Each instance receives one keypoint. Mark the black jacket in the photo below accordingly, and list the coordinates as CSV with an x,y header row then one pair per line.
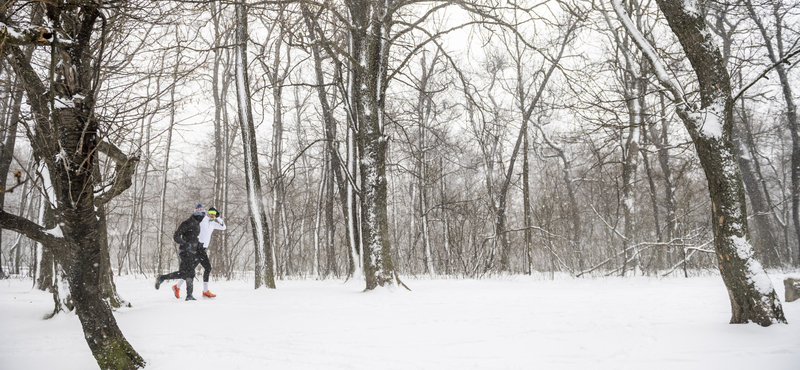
x,y
187,233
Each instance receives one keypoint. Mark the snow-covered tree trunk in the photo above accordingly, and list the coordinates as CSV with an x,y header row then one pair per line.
x,y
751,293
220,144
264,263
318,219
369,33
330,227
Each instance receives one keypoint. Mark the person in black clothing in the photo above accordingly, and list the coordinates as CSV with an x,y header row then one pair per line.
x,y
187,238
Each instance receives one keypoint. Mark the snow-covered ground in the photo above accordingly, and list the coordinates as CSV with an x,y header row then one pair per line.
x,y
511,323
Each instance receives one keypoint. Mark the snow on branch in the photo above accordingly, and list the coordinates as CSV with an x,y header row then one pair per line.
x,y
10,35
32,230
648,50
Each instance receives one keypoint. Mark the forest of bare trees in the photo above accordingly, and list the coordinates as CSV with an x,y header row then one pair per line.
x,y
378,140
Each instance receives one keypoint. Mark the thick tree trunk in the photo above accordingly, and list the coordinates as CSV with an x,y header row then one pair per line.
x,y
371,26
82,226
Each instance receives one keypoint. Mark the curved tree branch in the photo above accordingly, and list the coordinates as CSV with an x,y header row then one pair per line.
x,y
32,230
124,170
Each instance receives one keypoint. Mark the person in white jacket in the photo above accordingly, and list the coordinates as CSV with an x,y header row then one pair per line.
x,y
212,221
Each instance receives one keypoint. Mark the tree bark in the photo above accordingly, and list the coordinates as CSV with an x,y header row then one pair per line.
x,y
371,26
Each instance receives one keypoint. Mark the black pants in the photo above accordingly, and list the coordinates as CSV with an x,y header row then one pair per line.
x,y
202,258
186,270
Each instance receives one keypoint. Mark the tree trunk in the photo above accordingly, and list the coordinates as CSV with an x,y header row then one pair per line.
x,y
107,287
13,111
371,25
662,143
280,235
264,269
165,177
424,111
215,254
526,205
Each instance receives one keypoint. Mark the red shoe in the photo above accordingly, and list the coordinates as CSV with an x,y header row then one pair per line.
x,y
208,294
177,291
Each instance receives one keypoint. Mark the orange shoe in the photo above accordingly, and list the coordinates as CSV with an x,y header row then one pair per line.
x,y
177,291
208,294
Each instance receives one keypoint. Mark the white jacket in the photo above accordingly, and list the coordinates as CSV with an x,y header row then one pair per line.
x,y
207,226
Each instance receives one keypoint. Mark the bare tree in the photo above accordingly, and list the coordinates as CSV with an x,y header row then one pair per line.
x,y
66,139
752,296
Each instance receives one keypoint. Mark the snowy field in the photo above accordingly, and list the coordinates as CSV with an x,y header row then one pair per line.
x,y
512,323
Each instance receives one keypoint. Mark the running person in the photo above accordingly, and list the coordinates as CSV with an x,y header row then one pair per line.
x,y
212,221
189,246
